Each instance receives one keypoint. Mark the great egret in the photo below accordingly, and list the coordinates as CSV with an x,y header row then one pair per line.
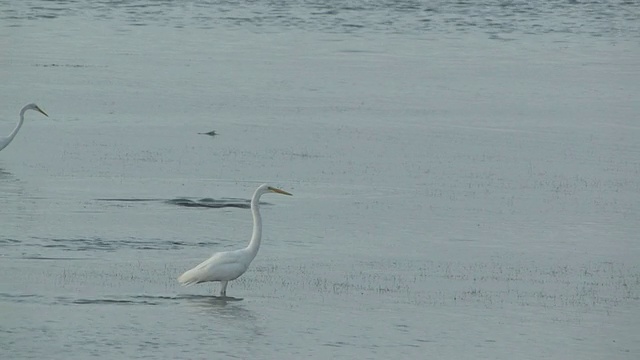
x,y
229,265
4,141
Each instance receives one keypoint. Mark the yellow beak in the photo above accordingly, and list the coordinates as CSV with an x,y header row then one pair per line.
x,y
43,113
276,190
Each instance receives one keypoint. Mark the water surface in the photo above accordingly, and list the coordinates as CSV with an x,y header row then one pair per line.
x,y
465,179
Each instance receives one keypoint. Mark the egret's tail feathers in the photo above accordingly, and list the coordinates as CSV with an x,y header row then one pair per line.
x,y
188,278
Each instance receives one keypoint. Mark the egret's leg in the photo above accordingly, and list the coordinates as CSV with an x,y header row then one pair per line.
x,y
223,291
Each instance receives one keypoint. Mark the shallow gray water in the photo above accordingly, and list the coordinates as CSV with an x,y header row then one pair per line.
x,y
465,179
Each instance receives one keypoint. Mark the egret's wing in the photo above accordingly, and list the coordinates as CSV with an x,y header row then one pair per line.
x,y
223,266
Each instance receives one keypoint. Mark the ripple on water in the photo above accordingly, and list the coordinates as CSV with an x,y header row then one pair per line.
x,y
212,203
597,18
20,298
186,202
105,244
9,241
116,299
113,302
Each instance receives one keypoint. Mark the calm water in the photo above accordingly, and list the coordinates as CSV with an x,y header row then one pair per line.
x,y
466,178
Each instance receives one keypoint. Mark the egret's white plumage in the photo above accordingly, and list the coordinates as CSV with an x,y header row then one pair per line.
x,y
4,141
229,265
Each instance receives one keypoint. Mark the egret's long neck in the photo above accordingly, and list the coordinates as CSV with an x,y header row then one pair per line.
x,y
18,126
254,245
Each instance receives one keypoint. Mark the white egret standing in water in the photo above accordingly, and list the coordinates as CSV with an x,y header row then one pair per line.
x,y
4,141
229,265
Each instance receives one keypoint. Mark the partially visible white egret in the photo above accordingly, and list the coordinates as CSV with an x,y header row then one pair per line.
x,y
4,141
229,265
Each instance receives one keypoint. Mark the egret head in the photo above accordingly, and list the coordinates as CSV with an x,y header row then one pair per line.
x,y
34,107
264,188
